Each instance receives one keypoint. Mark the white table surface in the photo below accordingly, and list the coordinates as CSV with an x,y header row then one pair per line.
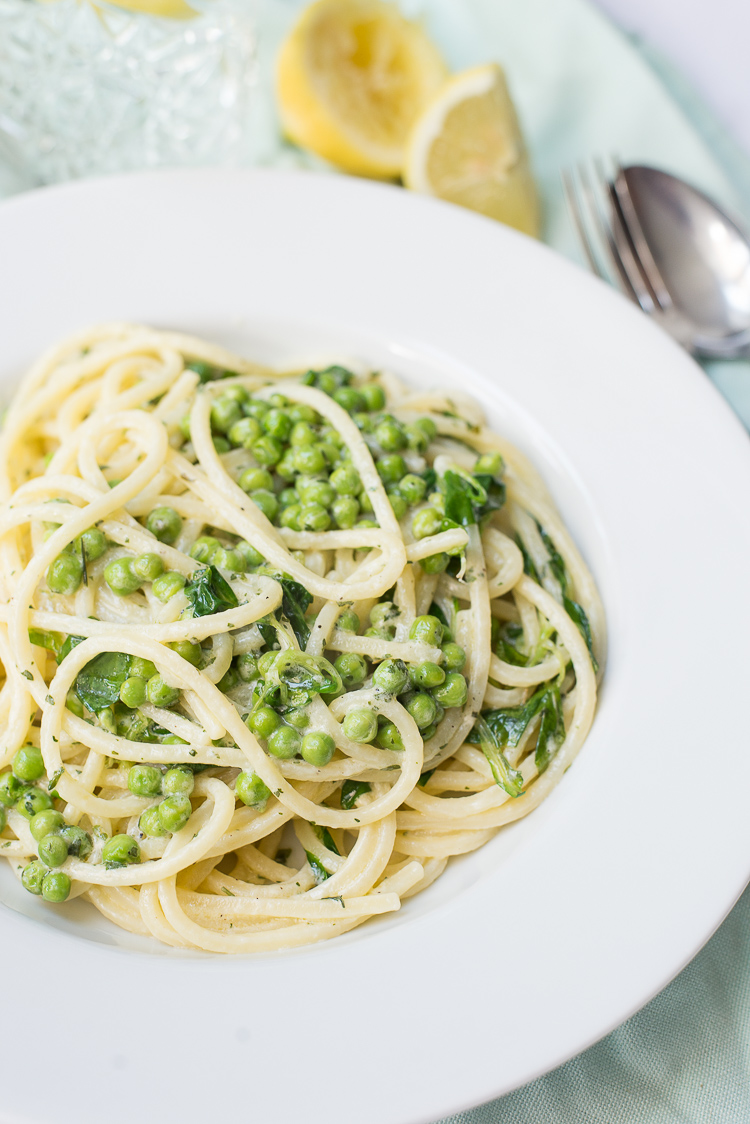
x,y
708,39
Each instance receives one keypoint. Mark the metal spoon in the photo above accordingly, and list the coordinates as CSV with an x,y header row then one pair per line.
x,y
702,257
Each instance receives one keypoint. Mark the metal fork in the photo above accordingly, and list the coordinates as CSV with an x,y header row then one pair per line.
x,y
612,239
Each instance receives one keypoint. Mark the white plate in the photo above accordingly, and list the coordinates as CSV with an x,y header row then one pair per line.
x,y
532,948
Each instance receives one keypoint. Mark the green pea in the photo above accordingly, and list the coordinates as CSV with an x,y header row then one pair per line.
x,y
373,395
398,504
160,693
174,812
286,497
229,680
412,488
79,842
290,516
267,450
204,547
363,422
308,459
33,801
331,436
33,876
278,401
185,426
172,739
150,824
144,780
3,818
327,383
147,567
244,432
298,717
422,709
28,763
428,629
314,517
348,621
237,392
229,560
302,434
106,719
426,675
391,676
311,489
74,704
247,667
429,731
435,563
121,850
317,748
391,468
133,725
55,886
389,737
142,669
65,573
389,434
427,427
267,502
284,742
167,585
381,612
53,850
225,411
164,523
178,781
94,543
365,502
345,511
46,823
256,408
454,657
285,467
453,691
251,790
254,478
301,412
332,454
352,668
263,721
278,424
121,577
345,480
426,522
222,445
252,556
133,692
489,464
360,725
349,399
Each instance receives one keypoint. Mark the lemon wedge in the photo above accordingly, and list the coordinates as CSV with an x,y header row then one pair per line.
x,y
466,146
166,9
352,77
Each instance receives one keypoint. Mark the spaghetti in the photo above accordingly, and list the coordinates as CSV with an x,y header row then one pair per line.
x,y
276,647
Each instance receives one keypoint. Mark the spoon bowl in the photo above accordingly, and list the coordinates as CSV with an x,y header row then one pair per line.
x,y
702,255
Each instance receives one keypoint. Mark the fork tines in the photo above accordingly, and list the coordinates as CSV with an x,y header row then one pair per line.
x,y
610,234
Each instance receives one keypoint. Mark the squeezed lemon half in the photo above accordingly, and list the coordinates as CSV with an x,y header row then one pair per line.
x,y
352,77
466,147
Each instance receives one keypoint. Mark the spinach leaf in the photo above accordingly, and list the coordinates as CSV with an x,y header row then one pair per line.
x,y
325,838
320,874
208,592
98,683
528,566
295,602
577,614
71,643
53,641
206,372
268,631
505,775
556,564
430,478
461,494
425,777
351,792
506,726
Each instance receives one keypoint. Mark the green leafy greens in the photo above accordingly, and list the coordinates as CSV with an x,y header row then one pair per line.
x,y
98,683
208,592
351,792
495,730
